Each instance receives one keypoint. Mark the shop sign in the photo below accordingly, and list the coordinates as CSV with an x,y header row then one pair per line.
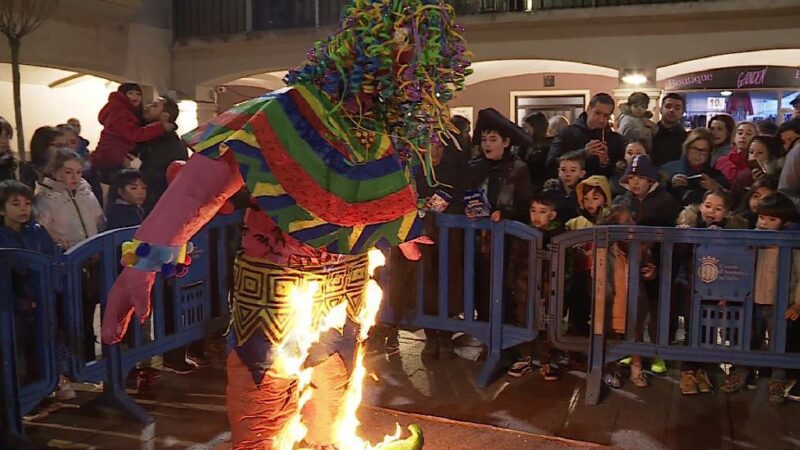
x,y
715,104
737,78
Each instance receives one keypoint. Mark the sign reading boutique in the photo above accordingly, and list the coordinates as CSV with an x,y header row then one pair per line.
x,y
737,78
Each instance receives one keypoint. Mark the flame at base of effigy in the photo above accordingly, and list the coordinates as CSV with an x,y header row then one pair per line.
x,y
294,350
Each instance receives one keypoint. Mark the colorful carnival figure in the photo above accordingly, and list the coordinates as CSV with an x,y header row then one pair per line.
x,y
327,163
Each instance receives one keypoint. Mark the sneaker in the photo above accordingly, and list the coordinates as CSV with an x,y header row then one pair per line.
x,y
521,367
548,372
179,367
703,383
658,366
199,361
64,390
638,377
733,383
793,392
613,379
777,391
689,383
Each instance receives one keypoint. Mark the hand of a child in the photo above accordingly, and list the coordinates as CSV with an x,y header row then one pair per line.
x,y
708,183
793,313
683,225
758,174
649,271
680,180
496,216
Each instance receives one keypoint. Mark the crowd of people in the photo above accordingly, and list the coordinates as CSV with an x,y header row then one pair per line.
x,y
66,194
553,175
633,171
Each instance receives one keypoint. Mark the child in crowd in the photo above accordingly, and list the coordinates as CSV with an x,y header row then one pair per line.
x,y
764,161
121,118
713,212
65,205
617,294
44,143
594,198
648,202
633,148
542,214
126,196
775,212
634,119
571,169
735,162
758,190
8,163
17,230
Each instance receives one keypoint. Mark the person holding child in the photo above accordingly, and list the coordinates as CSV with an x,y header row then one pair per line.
x,y
634,123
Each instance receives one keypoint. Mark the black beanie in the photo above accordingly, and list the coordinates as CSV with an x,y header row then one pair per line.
x,y
127,87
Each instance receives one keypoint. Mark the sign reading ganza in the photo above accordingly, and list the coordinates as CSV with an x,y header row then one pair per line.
x,y
737,78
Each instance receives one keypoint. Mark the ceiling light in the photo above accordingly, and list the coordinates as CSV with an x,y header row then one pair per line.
x,y
726,93
634,79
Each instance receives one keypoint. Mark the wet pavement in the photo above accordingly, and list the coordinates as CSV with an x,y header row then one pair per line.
x,y
441,395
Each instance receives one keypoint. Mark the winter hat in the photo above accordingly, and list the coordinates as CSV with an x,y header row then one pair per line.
x,y
640,165
128,87
594,180
491,119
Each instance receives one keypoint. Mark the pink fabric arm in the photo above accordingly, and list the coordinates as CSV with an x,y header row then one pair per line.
x,y
197,193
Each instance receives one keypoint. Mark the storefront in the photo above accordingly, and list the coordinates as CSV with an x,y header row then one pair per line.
x,y
746,93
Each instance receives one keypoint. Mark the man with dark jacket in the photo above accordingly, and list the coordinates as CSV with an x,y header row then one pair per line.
x,y
158,153
669,136
592,134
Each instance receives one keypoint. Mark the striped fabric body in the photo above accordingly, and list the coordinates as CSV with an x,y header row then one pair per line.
x,y
321,180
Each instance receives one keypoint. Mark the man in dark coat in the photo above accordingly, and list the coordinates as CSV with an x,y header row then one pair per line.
x,y
669,136
157,154
592,134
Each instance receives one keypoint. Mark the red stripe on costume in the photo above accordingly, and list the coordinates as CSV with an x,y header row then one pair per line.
x,y
311,196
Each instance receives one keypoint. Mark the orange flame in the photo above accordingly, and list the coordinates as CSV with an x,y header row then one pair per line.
x,y
293,351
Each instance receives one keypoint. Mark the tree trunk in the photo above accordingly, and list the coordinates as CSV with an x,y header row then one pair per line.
x,y
15,44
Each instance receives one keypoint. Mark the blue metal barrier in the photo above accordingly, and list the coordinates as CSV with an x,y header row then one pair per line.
x,y
496,333
20,395
199,304
718,266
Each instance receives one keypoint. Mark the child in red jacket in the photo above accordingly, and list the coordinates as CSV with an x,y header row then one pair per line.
x,y
122,130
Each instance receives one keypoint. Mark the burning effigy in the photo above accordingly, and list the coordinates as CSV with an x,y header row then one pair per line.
x,y
327,163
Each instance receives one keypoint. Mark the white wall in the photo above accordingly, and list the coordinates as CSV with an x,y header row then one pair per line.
x,y
42,105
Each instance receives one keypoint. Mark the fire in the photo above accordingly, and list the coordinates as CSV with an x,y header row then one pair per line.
x,y
293,352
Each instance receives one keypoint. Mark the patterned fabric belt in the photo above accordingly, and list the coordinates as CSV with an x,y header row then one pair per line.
x,y
261,294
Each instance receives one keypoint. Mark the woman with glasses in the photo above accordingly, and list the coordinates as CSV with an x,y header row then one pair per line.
x,y
688,178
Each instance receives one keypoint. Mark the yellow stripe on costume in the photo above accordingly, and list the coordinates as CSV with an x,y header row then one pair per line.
x,y
319,110
354,235
263,189
245,137
406,224
305,224
211,142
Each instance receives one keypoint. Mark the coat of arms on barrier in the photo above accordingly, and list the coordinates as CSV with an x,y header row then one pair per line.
x,y
708,272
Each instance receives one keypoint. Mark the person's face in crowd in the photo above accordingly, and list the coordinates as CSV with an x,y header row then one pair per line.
x,y
60,141
494,145
134,193
541,215
638,109
713,209
69,174
570,172
758,152
593,201
16,211
75,124
135,98
671,111
769,223
756,197
153,111
597,116
744,134
4,142
437,153
528,128
788,138
633,149
719,131
796,112
698,153
639,185
72,140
